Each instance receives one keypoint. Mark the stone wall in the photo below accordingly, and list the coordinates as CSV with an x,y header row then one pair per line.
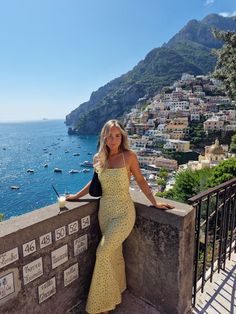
x,y
159,256
47,257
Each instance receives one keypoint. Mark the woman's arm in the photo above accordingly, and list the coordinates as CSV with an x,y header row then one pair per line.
x,y
79,194
135,169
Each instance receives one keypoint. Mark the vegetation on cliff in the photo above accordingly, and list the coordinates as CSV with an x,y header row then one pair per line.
x,y
191,182
226,61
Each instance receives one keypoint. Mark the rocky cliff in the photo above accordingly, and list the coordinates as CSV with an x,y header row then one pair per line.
x,y
188,51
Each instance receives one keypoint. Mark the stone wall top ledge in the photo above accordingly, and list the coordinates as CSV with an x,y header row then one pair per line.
x,y
176,216
179,216
23,221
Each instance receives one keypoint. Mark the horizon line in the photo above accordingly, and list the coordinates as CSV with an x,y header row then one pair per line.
x,y
33,120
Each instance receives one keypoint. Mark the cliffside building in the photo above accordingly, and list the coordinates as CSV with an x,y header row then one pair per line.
x,y
215,153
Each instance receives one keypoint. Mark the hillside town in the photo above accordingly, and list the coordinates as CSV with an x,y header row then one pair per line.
x,y
167,122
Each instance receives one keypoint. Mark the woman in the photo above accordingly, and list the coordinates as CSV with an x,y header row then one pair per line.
x,y
115,163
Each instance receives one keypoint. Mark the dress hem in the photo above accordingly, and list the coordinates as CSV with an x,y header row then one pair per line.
x,y
110,309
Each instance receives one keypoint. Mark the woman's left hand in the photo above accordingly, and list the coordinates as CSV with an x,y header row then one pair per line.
x,y
163,206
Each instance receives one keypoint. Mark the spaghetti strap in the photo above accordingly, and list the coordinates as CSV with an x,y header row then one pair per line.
x,y
124,159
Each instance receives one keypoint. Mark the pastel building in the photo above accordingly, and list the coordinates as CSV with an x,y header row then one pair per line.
x,y
214,154
213,124
178,145
177,124
161,162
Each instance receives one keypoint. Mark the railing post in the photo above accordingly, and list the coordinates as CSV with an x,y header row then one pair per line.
x,y
224,210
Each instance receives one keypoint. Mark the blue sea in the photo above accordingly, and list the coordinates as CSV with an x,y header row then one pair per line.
x,y
32,145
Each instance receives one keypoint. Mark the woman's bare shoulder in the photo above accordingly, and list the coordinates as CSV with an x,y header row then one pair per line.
x,y
130,155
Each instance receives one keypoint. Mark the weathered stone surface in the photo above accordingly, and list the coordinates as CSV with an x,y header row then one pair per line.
x,y
33,225
159,256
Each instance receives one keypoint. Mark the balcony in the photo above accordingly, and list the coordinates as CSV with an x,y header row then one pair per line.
x,y
47,258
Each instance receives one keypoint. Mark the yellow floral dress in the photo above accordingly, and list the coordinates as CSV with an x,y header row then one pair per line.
x,y
116,219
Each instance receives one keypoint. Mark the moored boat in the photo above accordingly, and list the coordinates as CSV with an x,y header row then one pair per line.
x,y
87,164
86,170
57,170
30,170
15,187
74,171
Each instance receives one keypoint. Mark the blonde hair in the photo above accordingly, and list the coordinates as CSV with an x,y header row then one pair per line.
x,y
101,158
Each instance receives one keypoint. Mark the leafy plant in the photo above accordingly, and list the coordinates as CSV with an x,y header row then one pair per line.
x,y
163,173
225,171
191,182
226,61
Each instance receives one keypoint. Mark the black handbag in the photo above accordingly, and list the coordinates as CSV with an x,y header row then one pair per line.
x,y
95,188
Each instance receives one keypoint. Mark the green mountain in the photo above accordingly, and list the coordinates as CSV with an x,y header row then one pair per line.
x,y
188,51
201,31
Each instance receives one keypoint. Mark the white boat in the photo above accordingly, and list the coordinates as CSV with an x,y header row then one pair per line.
x,y
86,170
45,165
74,171
14,187
30,170
76,154
87,164
57,170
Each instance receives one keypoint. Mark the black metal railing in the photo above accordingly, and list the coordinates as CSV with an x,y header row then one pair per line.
x,y
215,231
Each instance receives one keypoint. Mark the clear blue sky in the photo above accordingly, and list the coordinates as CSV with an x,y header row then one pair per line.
x,y
54,53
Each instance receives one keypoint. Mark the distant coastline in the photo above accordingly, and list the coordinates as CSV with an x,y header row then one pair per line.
x,y
31,121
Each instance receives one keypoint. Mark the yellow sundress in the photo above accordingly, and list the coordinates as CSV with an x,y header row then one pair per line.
x,y
116,219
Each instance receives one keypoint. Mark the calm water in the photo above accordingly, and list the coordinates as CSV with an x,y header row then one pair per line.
x,y
22,146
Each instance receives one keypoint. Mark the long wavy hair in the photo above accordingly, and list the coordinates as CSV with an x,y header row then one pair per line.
x,y
101,158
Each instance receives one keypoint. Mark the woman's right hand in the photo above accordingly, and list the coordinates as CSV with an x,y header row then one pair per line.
x,y
71,197
164,206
